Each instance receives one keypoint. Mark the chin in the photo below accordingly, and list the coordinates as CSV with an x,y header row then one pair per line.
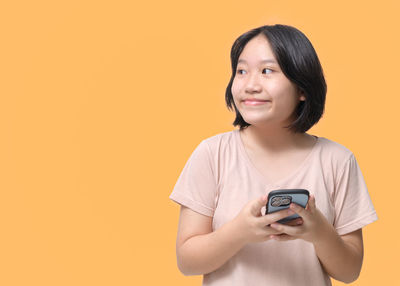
x,y
256,120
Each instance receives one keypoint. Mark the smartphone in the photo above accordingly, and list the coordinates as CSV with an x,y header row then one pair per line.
x,y
281,199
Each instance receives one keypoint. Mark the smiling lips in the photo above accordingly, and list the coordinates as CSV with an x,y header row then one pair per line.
x,y
255,101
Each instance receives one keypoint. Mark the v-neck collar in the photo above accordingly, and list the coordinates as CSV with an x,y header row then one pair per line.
x,y
261,177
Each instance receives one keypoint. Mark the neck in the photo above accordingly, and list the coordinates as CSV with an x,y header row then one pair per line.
x,y
273,139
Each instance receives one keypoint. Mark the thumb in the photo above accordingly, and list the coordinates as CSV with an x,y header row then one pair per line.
x,y
257,204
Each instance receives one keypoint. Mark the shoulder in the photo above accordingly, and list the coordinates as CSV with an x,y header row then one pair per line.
x,y
334,155
334,150
220,146
214,145
335,158
219,140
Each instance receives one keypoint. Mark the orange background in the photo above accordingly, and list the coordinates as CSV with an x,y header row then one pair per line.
x,y
102,103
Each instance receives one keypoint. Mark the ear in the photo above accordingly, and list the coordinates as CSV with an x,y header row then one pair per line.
x,y
301,93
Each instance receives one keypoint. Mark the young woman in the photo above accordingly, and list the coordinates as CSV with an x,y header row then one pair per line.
x,y
277,90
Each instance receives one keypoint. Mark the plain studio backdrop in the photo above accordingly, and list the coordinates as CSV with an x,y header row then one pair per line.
x,y
102,103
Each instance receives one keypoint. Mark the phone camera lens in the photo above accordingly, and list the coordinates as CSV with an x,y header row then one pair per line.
x,y
279,201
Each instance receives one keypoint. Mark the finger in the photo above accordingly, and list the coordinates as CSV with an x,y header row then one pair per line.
x,y
270,231
291,230
282,237
273,217
257,204
294,222
299,210
311,202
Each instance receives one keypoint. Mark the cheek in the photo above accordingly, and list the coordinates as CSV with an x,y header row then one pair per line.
x,y
285,93
236,87
277,87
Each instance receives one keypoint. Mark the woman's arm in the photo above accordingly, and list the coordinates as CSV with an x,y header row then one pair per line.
x,y
341,256
200,250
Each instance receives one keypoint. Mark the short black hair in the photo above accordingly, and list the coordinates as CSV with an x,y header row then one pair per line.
x,y
300,64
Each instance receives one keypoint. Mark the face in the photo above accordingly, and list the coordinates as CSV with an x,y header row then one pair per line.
x,y
261,92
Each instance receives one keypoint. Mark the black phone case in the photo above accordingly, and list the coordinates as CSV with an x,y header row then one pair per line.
x,y
281,199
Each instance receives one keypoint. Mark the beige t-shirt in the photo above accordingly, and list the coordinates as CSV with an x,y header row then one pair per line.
x,y
219,179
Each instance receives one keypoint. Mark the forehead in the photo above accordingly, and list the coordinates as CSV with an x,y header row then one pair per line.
x,y
257,50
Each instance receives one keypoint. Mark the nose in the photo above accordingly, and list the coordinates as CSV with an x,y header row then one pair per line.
x,y
253,84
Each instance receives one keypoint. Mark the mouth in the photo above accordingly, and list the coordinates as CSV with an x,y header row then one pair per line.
x,y
254,102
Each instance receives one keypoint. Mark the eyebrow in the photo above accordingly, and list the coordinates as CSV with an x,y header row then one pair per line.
x,y
263,61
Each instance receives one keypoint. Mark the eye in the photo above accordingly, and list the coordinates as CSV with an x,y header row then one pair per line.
x,y
267,69
239,71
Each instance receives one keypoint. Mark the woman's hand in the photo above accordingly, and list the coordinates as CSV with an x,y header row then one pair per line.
x,y
314,226
252,226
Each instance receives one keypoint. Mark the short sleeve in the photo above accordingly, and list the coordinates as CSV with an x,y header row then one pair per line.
x,y
353,205
196,185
